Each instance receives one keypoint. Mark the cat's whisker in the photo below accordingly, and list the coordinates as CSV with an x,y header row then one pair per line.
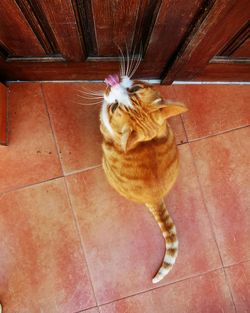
x,y
133,62
90,95
86,104
123,63
128,62
136,66
85,95
91,92
91,104
122,70
139,58
88,91
90,98
138,62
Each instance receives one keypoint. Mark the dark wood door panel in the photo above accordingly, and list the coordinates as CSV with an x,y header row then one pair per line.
x,y
46,34
243,50
211,51
237,48
237,41
174,20
121,23
16,35
61,23
109,26
79,39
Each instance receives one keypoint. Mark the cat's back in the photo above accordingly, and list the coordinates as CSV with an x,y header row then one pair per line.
x,y
147,172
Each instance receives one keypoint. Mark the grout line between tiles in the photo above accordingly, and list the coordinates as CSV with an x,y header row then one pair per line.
x,y
57,144
211,225
85,310
229,288
182,143
235,264
164,285
52,127
218,134
53,178
228,280
82,170
208,136
21,187
80,237
30,185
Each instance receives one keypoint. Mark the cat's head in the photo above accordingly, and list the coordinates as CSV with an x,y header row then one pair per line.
x,y
133,111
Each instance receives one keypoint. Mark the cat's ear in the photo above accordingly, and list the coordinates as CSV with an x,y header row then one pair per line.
x,y
167,110
173,108
129,138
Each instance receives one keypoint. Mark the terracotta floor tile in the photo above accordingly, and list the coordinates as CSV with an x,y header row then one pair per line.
x,y
239,282
224,171
214,108
204,294
76,126
168,93
41,266
123,244
31,156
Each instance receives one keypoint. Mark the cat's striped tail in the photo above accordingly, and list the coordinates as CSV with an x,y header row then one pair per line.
x,y
168,230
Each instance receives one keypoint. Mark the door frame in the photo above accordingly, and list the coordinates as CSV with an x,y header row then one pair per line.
x,y
3,115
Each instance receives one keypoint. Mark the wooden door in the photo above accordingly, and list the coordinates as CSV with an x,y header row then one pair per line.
x,y
79,39
218,49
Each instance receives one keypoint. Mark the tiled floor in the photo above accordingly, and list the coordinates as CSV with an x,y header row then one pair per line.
x,y
71,244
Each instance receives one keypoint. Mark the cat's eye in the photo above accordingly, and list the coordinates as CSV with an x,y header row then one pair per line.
x,y
114,106
134,88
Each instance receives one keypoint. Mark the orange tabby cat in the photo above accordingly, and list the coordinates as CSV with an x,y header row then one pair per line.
x,y
140,157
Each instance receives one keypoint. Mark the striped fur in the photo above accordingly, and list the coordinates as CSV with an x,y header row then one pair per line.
x,y
140,157
166,224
